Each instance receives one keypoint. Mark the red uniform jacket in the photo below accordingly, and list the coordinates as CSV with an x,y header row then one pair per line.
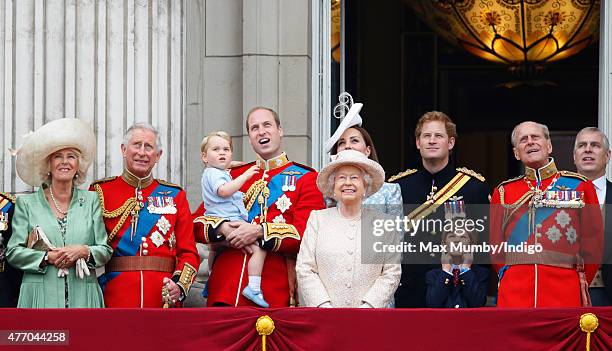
x,y
293,193
157,235
548,278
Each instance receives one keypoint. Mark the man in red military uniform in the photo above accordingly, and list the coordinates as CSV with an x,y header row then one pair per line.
x,y
278,199
545,208
149,227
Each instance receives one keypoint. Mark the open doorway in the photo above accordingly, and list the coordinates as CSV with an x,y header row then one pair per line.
x,y
400,68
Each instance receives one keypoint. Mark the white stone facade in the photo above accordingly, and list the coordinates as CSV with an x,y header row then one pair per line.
x,y
188,67
109,62
241,54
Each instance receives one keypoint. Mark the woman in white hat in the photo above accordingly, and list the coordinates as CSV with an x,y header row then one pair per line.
x,y
350,135
55,158
333,268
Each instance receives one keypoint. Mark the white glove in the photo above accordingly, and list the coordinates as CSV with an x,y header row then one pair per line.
x,y
81,268
62,272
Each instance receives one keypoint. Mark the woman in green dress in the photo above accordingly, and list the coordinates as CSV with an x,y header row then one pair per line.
x,y
55,159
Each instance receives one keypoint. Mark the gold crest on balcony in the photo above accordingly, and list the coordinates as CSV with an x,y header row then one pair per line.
x,y
514,32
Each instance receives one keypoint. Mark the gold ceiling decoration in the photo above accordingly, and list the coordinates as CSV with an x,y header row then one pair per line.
x,y
336,28
514,32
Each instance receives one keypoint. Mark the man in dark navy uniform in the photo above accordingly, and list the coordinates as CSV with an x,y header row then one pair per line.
x,y
427,193
10,278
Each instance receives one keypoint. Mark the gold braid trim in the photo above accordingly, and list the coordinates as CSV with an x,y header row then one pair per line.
x,y
510,209
186,277
278,232
208,221
440,197
123,211
250,196
502,192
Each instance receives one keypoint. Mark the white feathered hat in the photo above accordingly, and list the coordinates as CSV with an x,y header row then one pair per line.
x,y
32,157
350,119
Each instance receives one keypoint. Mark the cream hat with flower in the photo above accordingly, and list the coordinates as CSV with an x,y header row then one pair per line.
x,y
32,157
356,159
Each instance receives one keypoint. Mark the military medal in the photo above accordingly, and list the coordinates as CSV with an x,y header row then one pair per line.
x,y
563,219
292,184
432,193
163,225
283,203
454,208
161,205
279,219
3,222
172,241
157,239
289,184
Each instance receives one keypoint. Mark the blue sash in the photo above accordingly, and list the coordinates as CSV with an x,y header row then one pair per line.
x,y
520,232
6,207
146,222
275,184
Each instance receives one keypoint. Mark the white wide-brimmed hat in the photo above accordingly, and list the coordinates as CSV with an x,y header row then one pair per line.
x,y
352,158
352,118
31,158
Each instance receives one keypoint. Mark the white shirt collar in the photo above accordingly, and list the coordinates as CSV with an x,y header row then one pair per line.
x,y
600,183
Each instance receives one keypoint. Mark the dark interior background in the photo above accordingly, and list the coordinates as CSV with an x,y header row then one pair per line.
x,y
399,68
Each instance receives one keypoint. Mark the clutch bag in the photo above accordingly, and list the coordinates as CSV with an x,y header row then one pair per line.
x,y
38,240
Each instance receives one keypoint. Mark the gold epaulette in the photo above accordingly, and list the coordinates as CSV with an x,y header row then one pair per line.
x,y
8,196
510,181
574,175
400,175
172,185
471,173
308,168
103,180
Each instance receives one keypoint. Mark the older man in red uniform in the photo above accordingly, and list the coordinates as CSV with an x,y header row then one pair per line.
x,y
150,229
279,199
556,210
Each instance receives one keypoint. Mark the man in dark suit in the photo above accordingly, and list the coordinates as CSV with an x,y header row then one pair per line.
x,y
10,278
427,193
591,155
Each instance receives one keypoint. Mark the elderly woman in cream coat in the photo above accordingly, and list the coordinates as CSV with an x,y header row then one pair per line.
x,y
336,265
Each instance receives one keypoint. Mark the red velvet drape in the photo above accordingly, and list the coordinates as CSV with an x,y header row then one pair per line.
x,y
314,329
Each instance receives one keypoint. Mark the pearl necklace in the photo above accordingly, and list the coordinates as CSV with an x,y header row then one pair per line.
x,y
55,202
